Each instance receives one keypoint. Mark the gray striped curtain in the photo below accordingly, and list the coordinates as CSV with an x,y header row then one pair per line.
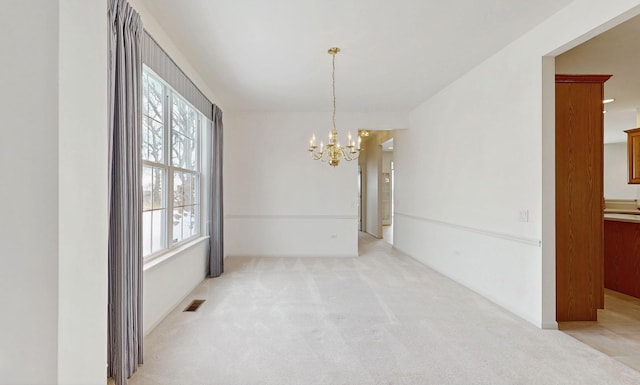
x,y
161,63
216,251
125,195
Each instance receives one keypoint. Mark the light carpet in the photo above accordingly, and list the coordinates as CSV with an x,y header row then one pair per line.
x,y
378,319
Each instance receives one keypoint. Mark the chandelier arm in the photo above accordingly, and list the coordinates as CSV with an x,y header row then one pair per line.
x,y
350,155
343,153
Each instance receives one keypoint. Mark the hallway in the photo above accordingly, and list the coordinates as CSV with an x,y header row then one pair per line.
x,y
381,318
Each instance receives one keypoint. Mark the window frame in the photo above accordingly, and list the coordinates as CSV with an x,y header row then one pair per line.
x,y
168,95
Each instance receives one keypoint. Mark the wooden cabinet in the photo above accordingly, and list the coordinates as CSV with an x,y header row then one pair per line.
x,y
633,155
579,197
622,255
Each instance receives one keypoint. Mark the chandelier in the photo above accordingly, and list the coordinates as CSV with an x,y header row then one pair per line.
x,y
334,151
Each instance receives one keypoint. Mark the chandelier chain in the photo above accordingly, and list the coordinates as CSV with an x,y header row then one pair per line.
x,y
333,80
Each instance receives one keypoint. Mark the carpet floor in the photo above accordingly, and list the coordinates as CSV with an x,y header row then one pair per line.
x,y
378,319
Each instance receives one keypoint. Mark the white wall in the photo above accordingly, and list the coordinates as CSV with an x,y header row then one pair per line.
x,y
53,231
280,202
83,199
462,178
29,193
167,283
277,200
616,173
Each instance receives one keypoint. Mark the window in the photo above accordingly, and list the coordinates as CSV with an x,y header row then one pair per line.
x,y
171,130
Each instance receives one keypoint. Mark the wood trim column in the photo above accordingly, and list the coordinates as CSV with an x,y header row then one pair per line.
x,y
579,197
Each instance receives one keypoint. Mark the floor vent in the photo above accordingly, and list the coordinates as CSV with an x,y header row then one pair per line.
x,y
194,305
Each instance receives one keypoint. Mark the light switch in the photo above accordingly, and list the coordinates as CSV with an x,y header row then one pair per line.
x,y
524,216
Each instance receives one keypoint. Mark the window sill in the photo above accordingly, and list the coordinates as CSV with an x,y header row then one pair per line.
x,y
160,259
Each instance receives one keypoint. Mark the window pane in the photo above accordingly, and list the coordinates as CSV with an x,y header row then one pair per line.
x,y
152,120
155,108
186,222
145,93
177,224
153,231
156,141
145,138
154,219
194,155
158,230
185,122
184,152
159,201
178,189
195,190
193,220
190,154
197,219
152,140
193,123
147,188
146,232
186,189
178,150
180,115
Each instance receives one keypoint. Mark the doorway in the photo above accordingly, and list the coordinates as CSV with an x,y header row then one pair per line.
x,y
387,182
617,319
612,52
360,214
375,182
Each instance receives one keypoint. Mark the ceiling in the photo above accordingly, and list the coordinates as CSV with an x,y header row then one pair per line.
x,y
272,55
615,52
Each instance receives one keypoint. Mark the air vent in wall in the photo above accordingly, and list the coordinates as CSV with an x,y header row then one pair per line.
x,y
194,305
